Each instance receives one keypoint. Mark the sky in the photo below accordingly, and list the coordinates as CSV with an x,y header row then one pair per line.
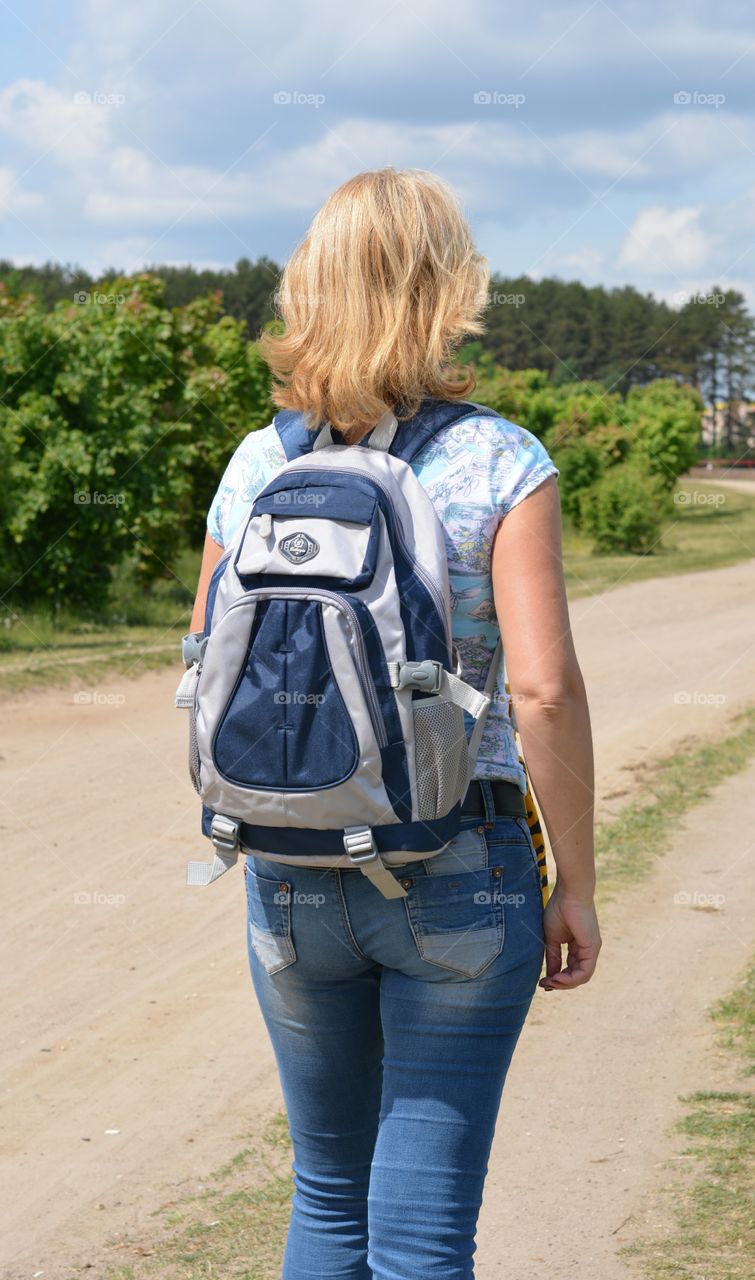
x,y
608,143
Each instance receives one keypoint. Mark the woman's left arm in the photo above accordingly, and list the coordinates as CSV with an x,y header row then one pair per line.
x,y
210,556
554,722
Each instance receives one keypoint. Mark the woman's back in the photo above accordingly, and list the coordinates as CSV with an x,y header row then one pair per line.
x,y
474,472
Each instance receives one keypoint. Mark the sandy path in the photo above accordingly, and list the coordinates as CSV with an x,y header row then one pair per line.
x,y
132,1009
615,1057
742,483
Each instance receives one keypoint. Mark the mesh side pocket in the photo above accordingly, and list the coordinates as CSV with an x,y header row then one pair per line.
x,y
441,756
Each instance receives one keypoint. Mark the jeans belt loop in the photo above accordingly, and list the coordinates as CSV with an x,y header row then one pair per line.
x,y
486,790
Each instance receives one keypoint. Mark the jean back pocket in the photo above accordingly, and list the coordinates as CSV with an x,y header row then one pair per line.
x,y
457,919
269,920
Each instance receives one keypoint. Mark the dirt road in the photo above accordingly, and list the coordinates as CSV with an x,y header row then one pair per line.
x,y
134,1058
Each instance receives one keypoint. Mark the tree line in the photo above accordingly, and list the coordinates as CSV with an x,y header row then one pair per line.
x,y
119,412
572,332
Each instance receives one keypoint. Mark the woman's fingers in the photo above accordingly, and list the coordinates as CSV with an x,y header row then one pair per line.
x,y
580,966
552,957
574,925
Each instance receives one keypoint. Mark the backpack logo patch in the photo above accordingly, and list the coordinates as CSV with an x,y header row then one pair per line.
x,y
298,547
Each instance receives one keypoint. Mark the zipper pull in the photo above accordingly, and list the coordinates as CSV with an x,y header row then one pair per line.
x,y
266,524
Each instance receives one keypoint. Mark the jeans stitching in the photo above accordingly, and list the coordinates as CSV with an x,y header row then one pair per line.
x,y
344,914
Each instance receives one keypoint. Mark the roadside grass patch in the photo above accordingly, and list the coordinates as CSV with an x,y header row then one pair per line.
x,y
711,1224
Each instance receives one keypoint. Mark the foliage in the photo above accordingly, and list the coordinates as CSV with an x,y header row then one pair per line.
x,y
580,465
117,415
565,330
120,405
664,419
625,509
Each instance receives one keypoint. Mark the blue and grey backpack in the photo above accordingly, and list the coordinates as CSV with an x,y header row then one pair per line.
x,y
326,706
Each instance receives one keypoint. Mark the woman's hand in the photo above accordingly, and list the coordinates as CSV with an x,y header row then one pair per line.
x,y
571,920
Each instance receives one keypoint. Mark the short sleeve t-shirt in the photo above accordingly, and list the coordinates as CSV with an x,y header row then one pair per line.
x,y
474,472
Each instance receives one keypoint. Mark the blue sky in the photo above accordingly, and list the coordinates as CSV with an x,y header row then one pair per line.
x,y
610,143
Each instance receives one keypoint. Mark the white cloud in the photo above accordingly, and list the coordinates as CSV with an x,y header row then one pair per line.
x,y
667,238
51,124
12,195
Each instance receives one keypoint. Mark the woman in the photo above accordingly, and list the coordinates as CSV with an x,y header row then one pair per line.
x,y
393,1052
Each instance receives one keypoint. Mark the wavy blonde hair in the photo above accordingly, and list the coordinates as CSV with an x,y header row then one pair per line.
x,y
375,301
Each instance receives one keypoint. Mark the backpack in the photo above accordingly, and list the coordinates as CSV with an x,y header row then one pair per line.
x,y
328,716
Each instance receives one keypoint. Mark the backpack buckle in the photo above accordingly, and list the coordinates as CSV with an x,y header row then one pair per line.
x,y
193,646
426,675
224,832
359,845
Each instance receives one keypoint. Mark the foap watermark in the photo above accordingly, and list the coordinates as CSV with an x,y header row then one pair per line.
x,y
510,899
97,899
699,498
96,698
497,299
98,99
695,98
96,298
498,98
297,498
295,98
705,901
697,698
284,897
296,698
686,297
85,497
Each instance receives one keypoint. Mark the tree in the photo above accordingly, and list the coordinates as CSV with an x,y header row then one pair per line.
x,y
117,415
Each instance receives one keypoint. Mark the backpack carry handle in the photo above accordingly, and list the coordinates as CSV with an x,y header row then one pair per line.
x,y
380,437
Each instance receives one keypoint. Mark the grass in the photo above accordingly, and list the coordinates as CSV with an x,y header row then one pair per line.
x,y
713,527
627,846
141,630
711,1235
233,1228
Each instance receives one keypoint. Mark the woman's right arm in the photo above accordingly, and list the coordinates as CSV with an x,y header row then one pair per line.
x,y
554,722
210,556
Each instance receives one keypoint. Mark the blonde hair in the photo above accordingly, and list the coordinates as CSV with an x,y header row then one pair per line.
x,y
375,301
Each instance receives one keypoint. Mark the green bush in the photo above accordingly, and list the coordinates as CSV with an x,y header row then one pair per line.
x,y
664,421
117,416
580,465
625,509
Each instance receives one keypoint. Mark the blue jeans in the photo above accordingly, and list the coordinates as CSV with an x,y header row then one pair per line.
x,y
393,1023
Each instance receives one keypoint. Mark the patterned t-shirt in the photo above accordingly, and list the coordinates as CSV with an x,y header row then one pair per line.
x,y
474,472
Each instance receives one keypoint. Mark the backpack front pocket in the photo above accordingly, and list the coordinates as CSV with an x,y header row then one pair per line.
x,y
295,700
286,725
319,535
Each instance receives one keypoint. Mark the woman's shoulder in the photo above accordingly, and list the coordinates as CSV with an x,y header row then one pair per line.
x,y
482,429
254,461
503,459
261,443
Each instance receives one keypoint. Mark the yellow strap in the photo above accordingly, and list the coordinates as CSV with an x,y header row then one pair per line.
x,y
533,818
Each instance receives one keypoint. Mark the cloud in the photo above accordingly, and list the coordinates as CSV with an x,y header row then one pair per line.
x,y
667,239
199,161
68,129
13,198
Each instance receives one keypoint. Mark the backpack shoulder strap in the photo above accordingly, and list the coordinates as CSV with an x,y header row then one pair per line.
x,y
411,435
433,416
295,437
